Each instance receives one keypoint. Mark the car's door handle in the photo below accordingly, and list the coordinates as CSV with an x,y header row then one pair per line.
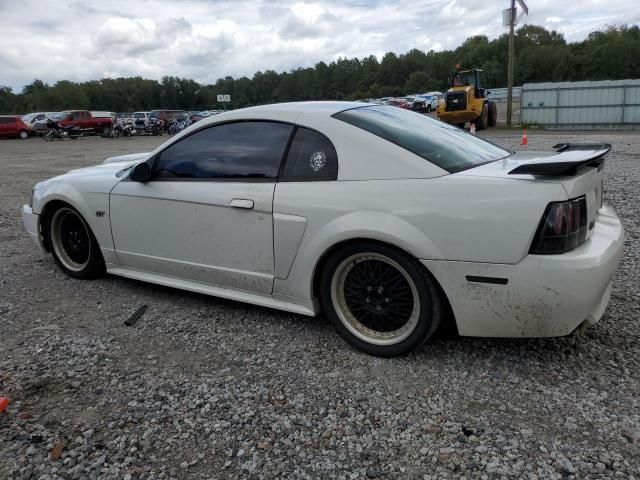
x,y
241,203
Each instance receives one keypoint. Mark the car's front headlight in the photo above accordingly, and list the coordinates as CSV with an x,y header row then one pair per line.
x,y
33,193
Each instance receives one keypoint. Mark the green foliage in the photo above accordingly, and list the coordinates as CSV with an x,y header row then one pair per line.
x,y
540,55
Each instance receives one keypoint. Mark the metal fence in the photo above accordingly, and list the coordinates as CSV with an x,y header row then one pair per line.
x,y
566,105
500,94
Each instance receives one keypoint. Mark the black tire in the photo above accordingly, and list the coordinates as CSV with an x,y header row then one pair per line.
x,y
70,260
460,125
483,118
337,288
493,114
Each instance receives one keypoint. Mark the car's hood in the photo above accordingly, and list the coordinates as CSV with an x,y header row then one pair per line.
x,y
133,157
96,178
110,168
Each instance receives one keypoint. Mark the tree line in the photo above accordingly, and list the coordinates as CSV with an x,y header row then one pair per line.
x,y
540,56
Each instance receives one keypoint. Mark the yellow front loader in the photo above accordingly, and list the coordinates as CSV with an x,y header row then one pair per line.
x,y
466,101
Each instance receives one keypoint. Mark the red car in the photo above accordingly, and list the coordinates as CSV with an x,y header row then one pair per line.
x,y
397,102
83,120
11,126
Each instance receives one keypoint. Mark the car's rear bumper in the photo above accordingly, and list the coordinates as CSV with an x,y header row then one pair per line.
x,y
31,223
545,295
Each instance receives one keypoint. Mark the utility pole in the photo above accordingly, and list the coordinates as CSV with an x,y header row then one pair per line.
x,y
512,20
512,24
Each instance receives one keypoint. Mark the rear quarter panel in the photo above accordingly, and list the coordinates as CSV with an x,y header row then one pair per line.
x,y
445,218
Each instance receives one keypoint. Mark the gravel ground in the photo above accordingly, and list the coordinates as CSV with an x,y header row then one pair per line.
x,y
206,388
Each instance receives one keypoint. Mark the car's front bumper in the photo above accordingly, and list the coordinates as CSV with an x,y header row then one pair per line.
x,y
545,295
31,223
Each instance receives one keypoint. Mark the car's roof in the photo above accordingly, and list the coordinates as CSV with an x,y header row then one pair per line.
x,y
327,107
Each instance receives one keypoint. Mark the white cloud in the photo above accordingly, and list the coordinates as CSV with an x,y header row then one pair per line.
x,y
207,39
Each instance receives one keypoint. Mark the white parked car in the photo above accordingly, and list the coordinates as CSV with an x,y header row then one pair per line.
x,y
140,119
430,100
436,98
30,119
389,221
37,121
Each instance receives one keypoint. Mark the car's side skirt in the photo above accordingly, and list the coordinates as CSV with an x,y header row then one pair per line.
x,y
207,289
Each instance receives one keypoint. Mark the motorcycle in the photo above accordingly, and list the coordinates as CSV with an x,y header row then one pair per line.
x,y
55,130
154,127
114,131
128,129
178,125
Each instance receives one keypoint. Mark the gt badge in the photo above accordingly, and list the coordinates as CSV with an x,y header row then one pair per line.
x,y
317,161
99,214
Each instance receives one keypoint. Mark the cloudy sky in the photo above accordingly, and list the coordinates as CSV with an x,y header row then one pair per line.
x,y
208,39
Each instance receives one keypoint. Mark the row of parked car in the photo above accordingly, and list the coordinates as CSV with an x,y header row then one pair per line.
x,y
37,123
419,102
85,121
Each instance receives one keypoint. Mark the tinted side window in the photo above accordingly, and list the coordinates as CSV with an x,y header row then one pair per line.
x,y
241,150
311,157
5,121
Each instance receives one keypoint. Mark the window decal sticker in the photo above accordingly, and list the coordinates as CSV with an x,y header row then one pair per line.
x,y
317,161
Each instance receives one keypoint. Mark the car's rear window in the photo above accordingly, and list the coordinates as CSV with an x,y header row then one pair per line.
x,y
444,145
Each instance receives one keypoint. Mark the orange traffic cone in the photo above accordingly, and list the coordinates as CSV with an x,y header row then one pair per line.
x,y
524,141
472,129
4,403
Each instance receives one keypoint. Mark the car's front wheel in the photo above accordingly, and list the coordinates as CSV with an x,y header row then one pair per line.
x,y
379,299
23,134
73,245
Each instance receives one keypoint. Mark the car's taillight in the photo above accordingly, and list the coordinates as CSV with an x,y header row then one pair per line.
x,y
563,227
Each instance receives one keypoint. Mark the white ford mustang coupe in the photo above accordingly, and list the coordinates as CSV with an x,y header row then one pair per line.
x,y
388,221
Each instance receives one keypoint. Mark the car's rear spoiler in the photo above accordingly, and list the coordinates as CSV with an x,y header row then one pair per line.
x,y
569,157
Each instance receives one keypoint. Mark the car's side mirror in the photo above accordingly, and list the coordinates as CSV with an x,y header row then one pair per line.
x,y
141,173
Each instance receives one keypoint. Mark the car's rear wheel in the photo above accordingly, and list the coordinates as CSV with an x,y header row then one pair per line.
x,y
379,300
74,247
23,134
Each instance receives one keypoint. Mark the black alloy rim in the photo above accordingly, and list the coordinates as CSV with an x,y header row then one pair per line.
x,y
378,296
74,238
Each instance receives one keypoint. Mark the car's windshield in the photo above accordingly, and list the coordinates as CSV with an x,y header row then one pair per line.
x,y
28,117
60,116
444,145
